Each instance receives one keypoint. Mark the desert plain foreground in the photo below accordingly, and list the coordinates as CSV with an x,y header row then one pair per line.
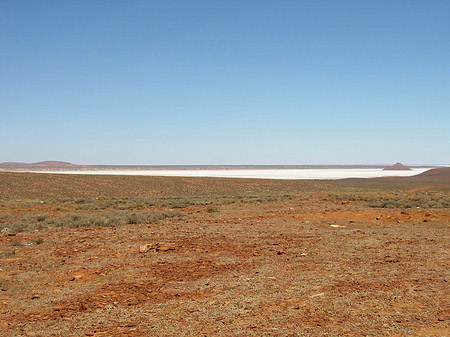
x,y
84,255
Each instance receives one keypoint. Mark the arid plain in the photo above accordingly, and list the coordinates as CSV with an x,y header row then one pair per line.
x,y
84,255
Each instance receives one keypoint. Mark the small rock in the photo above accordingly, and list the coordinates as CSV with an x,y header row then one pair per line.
x,y
147,247
165,248
442,318
390,259
89,333
280,252
157,247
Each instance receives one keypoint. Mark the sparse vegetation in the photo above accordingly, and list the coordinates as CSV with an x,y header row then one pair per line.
x,y
39,241
17,243
412,201
104,218
212,210
397,200
326,254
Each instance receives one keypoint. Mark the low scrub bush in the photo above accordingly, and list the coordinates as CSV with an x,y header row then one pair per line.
x,y
111,218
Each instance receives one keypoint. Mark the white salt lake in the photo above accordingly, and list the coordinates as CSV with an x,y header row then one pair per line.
x,y
289,174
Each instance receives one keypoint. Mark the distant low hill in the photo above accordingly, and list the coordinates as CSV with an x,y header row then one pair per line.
x,y
397,167
38,165
441,172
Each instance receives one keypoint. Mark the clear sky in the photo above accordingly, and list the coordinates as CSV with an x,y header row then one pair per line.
x,y
225,82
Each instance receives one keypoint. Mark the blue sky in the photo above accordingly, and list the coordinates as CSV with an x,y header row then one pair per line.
x,y
225,82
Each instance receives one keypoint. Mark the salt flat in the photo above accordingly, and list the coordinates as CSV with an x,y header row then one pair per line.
x,y
288,174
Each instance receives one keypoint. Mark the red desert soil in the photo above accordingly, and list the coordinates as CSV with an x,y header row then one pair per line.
x,y
241,258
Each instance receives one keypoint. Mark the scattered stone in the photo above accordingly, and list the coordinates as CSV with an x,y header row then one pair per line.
x,y
390,259
157,247
317,295
337,226
35,296
165,248
147,247
280,252
444,316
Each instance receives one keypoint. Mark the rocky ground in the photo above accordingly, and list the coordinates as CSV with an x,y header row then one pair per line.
x,y
299,263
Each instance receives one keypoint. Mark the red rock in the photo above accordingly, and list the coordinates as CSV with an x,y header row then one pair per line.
x,y
165,248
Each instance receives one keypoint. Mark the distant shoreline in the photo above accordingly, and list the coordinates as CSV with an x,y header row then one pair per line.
x,y
267,173
82,168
